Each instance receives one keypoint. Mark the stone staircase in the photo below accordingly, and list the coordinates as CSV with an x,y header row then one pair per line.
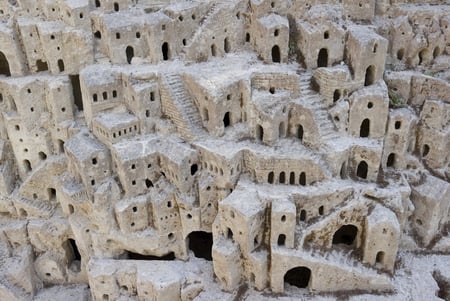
x,y
205,23
178,105
35,208
315,102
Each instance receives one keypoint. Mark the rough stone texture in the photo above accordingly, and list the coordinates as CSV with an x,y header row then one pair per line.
x,y
224,150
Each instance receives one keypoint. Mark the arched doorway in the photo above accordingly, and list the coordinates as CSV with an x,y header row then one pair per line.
x,y
4,65
276,56
226,120
345,235
200,243
390,160
370,75
259,132
364,129
362,170
322,59
299,277
165,51
130,54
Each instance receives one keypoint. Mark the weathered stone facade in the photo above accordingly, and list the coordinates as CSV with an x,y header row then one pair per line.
x,y
287,143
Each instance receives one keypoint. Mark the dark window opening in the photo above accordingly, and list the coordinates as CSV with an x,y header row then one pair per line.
x,y
299,277
270,177
227,120
302,179
97,3
292,178
61,65
336,95
321,210
152,96
42,156
4,65
98,34
326,35
260,133
322,59
116,6
76,91
165,51
282,177
60,146
226,45
425,150
362,170
303,215
345,235
390,160
213,50
194,168
380,257
71,209
422,55
370,75
105,96
364,130
137,256
247,37
400,54
41,66
398,125
281,240
130,54
72,254
229,233
148,183
276,56
51,194
201,244
300,132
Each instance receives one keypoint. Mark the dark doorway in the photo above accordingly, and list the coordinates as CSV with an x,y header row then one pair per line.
x,y
303,215
370,75
282,177
165,51
380,257
281,240
292,178
422,56
76,90
270,177
226,120
302,179
300,132
201,244
259,133
322,59
137,256
41,66
336,95
73,255
276,56
130,54
364,129
51,194
362,169
390,160
61,65
148,183
116,6
194,168
226,45
299,277
4,65
213,50
345,235
425,150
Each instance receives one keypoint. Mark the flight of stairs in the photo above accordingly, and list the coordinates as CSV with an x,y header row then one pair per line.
x,y
179,106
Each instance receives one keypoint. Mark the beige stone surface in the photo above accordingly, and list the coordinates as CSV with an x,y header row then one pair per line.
x,y
224,150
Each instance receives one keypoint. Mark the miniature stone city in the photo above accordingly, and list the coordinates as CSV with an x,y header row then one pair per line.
x,y
220,150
